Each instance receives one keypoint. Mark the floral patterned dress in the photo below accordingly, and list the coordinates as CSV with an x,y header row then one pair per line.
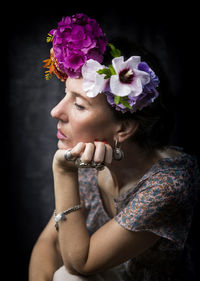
x,y
161,202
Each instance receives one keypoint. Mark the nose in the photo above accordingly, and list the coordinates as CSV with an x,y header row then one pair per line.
x,y
60,110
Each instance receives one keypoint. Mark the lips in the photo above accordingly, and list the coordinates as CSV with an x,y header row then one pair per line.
x,y
60,135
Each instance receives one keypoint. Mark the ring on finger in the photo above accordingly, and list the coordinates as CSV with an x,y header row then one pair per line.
x,y
98,166
80,164
68,156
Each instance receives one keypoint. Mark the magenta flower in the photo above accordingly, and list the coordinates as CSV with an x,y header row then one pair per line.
x,y
77,39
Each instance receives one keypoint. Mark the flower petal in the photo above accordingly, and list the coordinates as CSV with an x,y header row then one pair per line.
x,y
92,93
76,39
100,83
118,63
93,83
118,88
90,68
132,62
143,76
136,88
87,85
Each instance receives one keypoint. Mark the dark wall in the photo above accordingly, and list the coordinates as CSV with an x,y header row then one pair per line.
x,y
28,137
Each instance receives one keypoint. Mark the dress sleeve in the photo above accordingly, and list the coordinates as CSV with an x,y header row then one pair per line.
x,y
163,206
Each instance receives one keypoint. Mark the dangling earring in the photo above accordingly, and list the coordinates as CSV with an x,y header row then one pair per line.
x,y
118,154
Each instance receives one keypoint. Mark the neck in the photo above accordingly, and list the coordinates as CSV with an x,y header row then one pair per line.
x,y
135,164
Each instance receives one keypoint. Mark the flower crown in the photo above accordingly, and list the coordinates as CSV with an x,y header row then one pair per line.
x,y
78,50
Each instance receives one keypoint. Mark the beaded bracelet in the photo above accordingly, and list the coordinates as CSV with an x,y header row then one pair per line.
x,y
62,215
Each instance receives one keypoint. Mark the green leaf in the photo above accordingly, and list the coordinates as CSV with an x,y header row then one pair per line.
x,y
114,52
112,70
49,38
48,76
105,71
117,99
122,100
125,102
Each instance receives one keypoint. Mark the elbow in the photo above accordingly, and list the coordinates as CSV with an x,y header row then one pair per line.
x,y
71,270
86,272
76,264
78,270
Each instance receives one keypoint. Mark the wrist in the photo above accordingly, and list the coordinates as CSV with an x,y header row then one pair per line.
x,y
65,179
61,166
66,189
62,170
62,215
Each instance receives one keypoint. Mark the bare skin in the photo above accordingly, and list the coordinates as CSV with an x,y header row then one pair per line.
x,y
83,121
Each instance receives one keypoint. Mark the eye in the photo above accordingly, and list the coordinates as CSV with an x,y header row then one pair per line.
x,y
80,107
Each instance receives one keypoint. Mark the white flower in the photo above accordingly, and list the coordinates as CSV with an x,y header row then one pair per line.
x,y
128,79
93,82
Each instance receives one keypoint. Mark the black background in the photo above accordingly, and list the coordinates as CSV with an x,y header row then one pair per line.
x,y
28,133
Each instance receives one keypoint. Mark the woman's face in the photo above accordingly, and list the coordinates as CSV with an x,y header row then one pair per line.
x,y
82,119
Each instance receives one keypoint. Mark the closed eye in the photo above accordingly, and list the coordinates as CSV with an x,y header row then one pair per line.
x,y
80,107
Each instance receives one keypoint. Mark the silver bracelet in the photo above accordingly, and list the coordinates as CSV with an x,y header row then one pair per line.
x,y
62,215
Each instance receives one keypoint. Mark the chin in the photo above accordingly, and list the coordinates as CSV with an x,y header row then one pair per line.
x,y
62,145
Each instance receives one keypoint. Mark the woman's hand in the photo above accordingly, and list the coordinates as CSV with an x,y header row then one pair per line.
x,y
97,152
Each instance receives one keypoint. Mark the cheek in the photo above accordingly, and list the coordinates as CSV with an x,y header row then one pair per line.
x,y
88,130
85,131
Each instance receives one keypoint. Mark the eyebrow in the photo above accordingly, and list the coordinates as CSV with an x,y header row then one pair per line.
x,y
81,96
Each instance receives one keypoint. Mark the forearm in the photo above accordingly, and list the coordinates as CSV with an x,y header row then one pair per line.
x,y
73,235
43,263
45,258
78,253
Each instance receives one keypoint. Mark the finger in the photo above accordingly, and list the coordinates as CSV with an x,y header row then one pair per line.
x,y
108,154
88,153
99,154
77,150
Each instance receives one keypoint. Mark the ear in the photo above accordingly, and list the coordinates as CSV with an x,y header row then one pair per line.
x,y
126,129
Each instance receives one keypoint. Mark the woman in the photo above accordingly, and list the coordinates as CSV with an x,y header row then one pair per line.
x,y
123,197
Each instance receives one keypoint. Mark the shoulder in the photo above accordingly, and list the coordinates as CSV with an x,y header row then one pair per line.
x,y
179,170
180,173
163,200
172,178
167,188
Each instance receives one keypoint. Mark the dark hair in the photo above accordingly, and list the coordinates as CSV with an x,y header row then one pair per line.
x,y
156,120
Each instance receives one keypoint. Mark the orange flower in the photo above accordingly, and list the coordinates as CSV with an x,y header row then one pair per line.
x,y
47,63
52,66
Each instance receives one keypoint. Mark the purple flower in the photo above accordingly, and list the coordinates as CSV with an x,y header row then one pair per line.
x,y
76,40
137,103
154,80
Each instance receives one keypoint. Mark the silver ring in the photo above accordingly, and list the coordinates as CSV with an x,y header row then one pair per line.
x,y
68,155
98,166
80,164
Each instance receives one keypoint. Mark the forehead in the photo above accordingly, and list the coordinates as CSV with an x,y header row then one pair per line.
x,y
75,85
